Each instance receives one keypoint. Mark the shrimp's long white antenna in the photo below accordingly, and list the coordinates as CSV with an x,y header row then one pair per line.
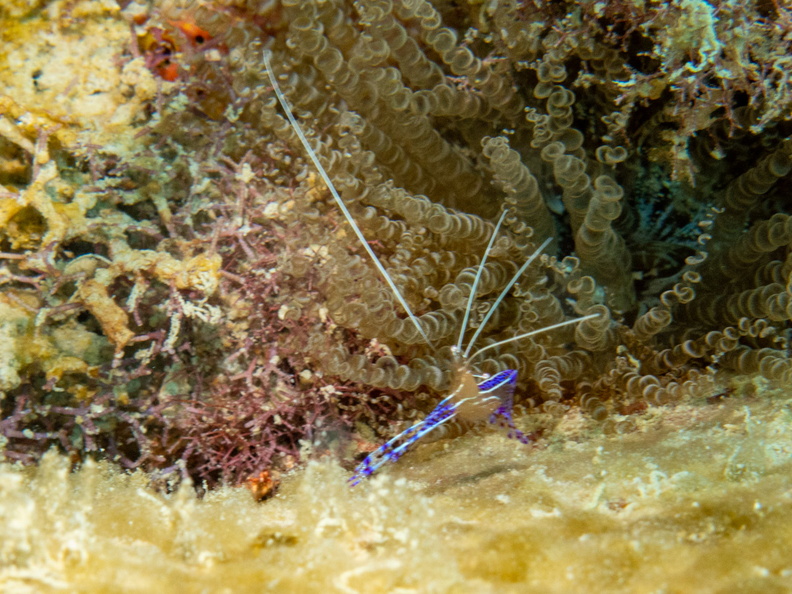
x,y
503,294
532,333
326,178
473,289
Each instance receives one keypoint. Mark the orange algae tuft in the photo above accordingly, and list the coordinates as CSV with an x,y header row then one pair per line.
x,y
113,319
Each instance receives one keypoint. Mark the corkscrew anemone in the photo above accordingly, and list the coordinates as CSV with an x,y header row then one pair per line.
x,y
190,268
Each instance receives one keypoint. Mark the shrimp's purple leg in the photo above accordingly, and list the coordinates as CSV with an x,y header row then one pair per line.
x,y
503,418
502,385
396,447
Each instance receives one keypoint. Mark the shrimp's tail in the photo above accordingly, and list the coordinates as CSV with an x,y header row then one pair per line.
x,y
502,385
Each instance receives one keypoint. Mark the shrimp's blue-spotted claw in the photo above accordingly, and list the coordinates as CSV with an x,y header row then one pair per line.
x,y
501,384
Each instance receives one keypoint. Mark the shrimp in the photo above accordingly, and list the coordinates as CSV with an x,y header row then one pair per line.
x,y
470,402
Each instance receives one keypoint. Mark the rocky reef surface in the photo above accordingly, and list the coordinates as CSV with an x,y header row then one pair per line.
x,y
698,499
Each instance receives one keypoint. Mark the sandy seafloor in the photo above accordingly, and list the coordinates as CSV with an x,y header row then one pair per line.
x,y
697,499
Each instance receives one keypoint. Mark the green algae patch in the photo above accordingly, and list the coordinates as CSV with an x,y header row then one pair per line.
x,y
697,498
